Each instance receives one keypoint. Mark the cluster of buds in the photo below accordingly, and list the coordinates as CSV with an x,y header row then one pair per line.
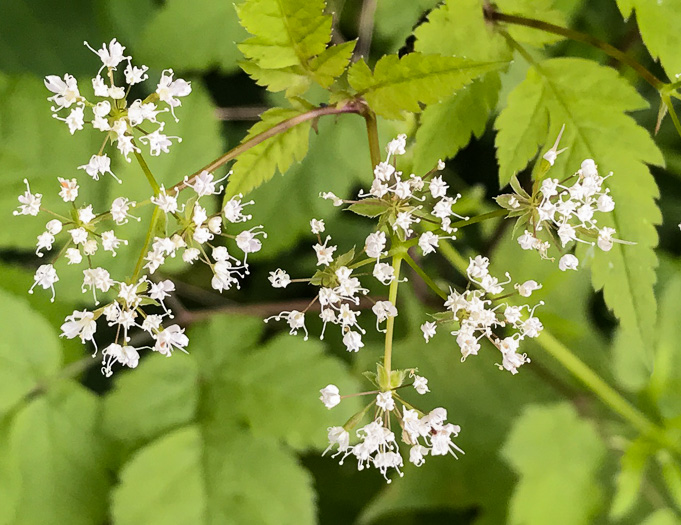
x,y
478,319
110,110
377,444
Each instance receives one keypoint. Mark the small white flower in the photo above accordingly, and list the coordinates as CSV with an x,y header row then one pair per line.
x,y
527,288
428,242
397,145
168,203
96,278
352,341
158,142
54,226
75,120
65,91
79,324
98,165
169,90
29,202
330,196
383,171
248,242
85,215
90,247
589,168
384,273
428,328
78,235
568,262
99,87
324,253
375,244
169,339
605,241
215,225
438,187
69,189
126,147
421,384
330,396
233,210
119,210
134,74
112,55
385,401
45,241
74,256
45,276
279,278
317,226
190,255
110,242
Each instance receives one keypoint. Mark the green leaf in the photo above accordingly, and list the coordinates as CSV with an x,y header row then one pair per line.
x,y
260,163
671,474
194,35
369,207
630,478
661,517
658,24
54,443
403,84
289,45
24,364
569,491
666,377
592,102
543,10
187,477
245,406
160,395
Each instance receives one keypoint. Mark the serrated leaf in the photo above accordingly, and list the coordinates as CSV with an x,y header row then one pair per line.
x,y
54,443
658,24
592,102
543,10
188,477
398,85
332,62
567,493
260,163
24,365
191,35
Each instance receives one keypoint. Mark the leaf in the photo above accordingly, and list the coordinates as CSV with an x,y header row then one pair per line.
x,y
259,164
592,102
289,42
543,10
569,491
666,377
185,477
661,517
160,395
245,406
369,207
658,24
671,474
194,35
25,359
55,445
397,85
629,478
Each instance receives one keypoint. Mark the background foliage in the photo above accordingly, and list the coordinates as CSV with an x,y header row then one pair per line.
x,y
232,432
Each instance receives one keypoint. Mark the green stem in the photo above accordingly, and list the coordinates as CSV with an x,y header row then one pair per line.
x,y
390,323
431,284
608,395
353,106
372,132
147,242
495,16
672,112
147,172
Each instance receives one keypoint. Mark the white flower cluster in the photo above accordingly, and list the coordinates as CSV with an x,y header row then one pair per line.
x,y
124,313
197,229
569,211
478,319
377,444
110,111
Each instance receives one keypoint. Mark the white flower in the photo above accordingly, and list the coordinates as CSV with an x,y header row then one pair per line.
x,y
248,242
202,235
29,202
317,226
605,203
190,255
279,278
383,310
45,276
397,145
568,262
384,273
204,184
215,225
169,90
330,196
421,384
54,226
337,436
65,91
119,210
110,242
385,401
96,278
171,338
158,142
404,220
438,187
134,74
75,120
45,241
352,341
233,210
324,253
330,396
74,256
428,329
125,355
85,215
589,168
99,87
375,244
78,235
138,112
527,288
416,454
168,203
383,171
79,324
428,242
605,238
69,189
98,165
126,147
112,55
527,241
90,247
295,320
